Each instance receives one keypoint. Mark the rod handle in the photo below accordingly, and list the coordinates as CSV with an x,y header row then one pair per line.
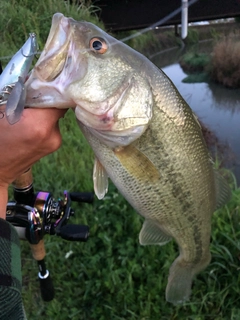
x,y
46,287
38,250
24,181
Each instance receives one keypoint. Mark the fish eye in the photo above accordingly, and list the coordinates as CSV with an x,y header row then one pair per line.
x,y
98,45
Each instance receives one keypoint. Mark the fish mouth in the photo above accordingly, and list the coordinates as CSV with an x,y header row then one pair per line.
x,y
52,60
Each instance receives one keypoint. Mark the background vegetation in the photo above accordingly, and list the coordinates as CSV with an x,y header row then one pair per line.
x,y
112,276
221,61
225,62
20,17
221,65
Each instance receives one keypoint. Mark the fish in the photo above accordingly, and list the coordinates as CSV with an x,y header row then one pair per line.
x,y
13,77
145,138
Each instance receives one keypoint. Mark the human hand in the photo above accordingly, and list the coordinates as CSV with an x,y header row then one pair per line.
x,y
24,143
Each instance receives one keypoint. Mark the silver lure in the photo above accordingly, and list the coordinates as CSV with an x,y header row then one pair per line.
x,y
13,77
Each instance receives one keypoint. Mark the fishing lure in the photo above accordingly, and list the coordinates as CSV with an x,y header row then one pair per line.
x,y
13,77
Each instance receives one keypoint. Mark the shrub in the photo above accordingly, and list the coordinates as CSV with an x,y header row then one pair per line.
x,y
225,64
193,62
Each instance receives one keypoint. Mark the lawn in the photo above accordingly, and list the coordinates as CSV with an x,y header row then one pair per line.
x,y
111,276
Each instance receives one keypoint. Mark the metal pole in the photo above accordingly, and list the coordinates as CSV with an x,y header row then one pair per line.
x,y
184,28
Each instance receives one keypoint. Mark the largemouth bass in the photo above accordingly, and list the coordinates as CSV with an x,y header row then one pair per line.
x,y
144,135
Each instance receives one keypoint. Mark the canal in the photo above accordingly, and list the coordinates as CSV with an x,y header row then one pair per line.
x,y
217,107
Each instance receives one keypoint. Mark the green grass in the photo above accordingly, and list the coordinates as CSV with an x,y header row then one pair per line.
x,y
194,62
145,43
196,78
111,276
20,17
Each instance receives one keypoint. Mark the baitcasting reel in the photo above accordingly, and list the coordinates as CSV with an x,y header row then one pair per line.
x,y
36,214
47,216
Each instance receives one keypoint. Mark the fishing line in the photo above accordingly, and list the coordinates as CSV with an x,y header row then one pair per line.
x,y
158,23
153,26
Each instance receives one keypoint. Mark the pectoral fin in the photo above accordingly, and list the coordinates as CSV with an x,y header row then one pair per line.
x,y
16,102
152,234
100,180
137,164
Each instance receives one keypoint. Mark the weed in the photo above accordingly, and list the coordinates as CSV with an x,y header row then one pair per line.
x,y
146,42
18,18
225,63
192,37
194,62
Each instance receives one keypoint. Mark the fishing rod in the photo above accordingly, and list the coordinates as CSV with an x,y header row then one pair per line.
x,y
35,214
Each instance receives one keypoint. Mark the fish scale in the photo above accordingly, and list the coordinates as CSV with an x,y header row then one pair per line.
x,y
144,135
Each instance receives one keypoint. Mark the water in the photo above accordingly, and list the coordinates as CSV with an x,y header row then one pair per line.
x,y
217,107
